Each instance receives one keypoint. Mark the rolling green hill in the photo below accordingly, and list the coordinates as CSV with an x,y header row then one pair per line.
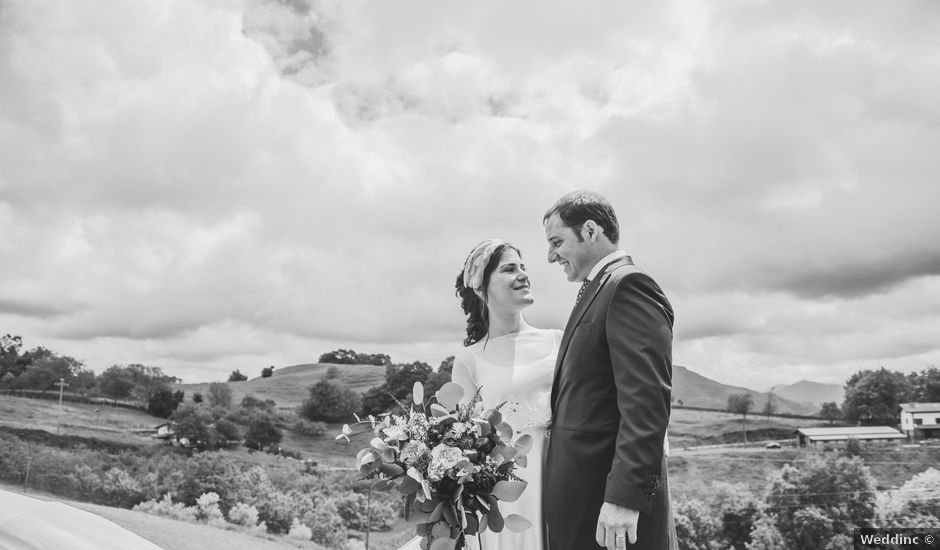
x,y
289,386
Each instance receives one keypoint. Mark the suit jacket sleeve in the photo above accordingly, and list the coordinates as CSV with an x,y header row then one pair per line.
x,y
639,335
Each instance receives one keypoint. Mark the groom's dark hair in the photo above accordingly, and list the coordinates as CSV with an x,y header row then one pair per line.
x,y
577,207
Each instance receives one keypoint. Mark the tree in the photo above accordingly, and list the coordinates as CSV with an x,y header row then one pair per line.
x,y
220,395
443,375
116,382
10,355
822,497
267,372
262,432
196,425
237,376
830,411
873,397
330,401
696,525
400,379
377,400
770,407
164,402
738,510
926,385
741,403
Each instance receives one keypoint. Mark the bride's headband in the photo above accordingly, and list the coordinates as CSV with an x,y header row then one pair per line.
x,y
475,264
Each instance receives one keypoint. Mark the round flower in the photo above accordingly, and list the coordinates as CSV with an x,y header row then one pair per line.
x,y
443,458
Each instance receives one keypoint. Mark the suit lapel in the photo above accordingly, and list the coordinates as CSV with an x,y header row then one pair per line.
x,y
577,314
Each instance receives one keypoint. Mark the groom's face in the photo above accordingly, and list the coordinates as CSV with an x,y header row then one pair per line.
x,y
572,253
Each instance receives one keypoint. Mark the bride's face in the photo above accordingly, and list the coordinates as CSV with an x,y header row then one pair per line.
x,y
508,288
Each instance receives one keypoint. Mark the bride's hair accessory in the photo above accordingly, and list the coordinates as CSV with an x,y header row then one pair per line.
x,y
475,264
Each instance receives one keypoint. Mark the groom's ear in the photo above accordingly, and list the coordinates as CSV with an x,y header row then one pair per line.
x,y
591,230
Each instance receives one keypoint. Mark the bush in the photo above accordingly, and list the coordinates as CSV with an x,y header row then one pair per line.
x,y
331,402
279,509
326,526
237,376
811,499
299,531
305,427
220,395
765,535
244,515
353,509
163,402
262,432
267,372
332,373
207,509
697,527
167,508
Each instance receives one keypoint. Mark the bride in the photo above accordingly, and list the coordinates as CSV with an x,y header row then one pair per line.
x,y
509,361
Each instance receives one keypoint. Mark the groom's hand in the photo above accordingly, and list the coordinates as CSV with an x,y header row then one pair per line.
x,y
615,525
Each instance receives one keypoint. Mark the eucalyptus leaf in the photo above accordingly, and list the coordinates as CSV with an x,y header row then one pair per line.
x,y
417,393
440,530
493,416
504,430
494,520
449,395
508,491
516,523
438,512
409,486
523,445
391,469
438,411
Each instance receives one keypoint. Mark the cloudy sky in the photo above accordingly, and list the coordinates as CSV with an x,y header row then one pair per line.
x,y
205,185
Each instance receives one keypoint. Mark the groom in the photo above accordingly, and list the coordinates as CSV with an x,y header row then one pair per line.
x,y
605,473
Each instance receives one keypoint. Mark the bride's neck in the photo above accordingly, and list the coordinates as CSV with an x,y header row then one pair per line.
x,y
501,324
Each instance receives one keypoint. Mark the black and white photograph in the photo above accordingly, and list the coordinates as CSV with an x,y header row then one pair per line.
x,y
351,275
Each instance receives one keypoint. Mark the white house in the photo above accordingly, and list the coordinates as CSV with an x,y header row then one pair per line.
x,y
919,420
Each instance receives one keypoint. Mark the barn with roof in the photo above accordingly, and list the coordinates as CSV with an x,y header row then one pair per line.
x,y
814,436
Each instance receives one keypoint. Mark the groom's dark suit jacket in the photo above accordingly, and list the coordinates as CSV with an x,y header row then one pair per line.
x,y
610,409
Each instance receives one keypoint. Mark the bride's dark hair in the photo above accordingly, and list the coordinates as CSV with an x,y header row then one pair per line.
x,y
475,306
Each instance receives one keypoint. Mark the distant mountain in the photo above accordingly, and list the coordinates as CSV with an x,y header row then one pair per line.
x,y
695,390
812,393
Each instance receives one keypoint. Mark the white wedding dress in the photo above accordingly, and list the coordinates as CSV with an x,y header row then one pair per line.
x,y
516,369
28,523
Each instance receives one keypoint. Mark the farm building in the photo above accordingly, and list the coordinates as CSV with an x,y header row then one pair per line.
x,y
920,420
805,436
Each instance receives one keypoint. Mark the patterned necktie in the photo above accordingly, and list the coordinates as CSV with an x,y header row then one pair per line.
x,y
584,285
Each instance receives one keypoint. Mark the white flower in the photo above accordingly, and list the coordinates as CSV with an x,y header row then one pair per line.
x,y
443,458
413,451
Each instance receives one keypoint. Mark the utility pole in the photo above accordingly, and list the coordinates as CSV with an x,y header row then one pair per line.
x,y
61,383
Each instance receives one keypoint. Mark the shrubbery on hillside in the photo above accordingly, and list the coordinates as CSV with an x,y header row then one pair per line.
x,y
350,357
208,487
330,401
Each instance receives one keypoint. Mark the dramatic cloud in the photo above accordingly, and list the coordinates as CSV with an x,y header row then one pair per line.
x,y
206,185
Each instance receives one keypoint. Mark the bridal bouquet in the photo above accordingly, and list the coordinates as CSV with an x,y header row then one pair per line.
x,y
454,463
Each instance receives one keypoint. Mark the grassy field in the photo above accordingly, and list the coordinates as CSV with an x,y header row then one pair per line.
x,y
92,421
289,386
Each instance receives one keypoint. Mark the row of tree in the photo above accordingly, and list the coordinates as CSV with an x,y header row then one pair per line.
x,y
871,397
874,396
350,357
